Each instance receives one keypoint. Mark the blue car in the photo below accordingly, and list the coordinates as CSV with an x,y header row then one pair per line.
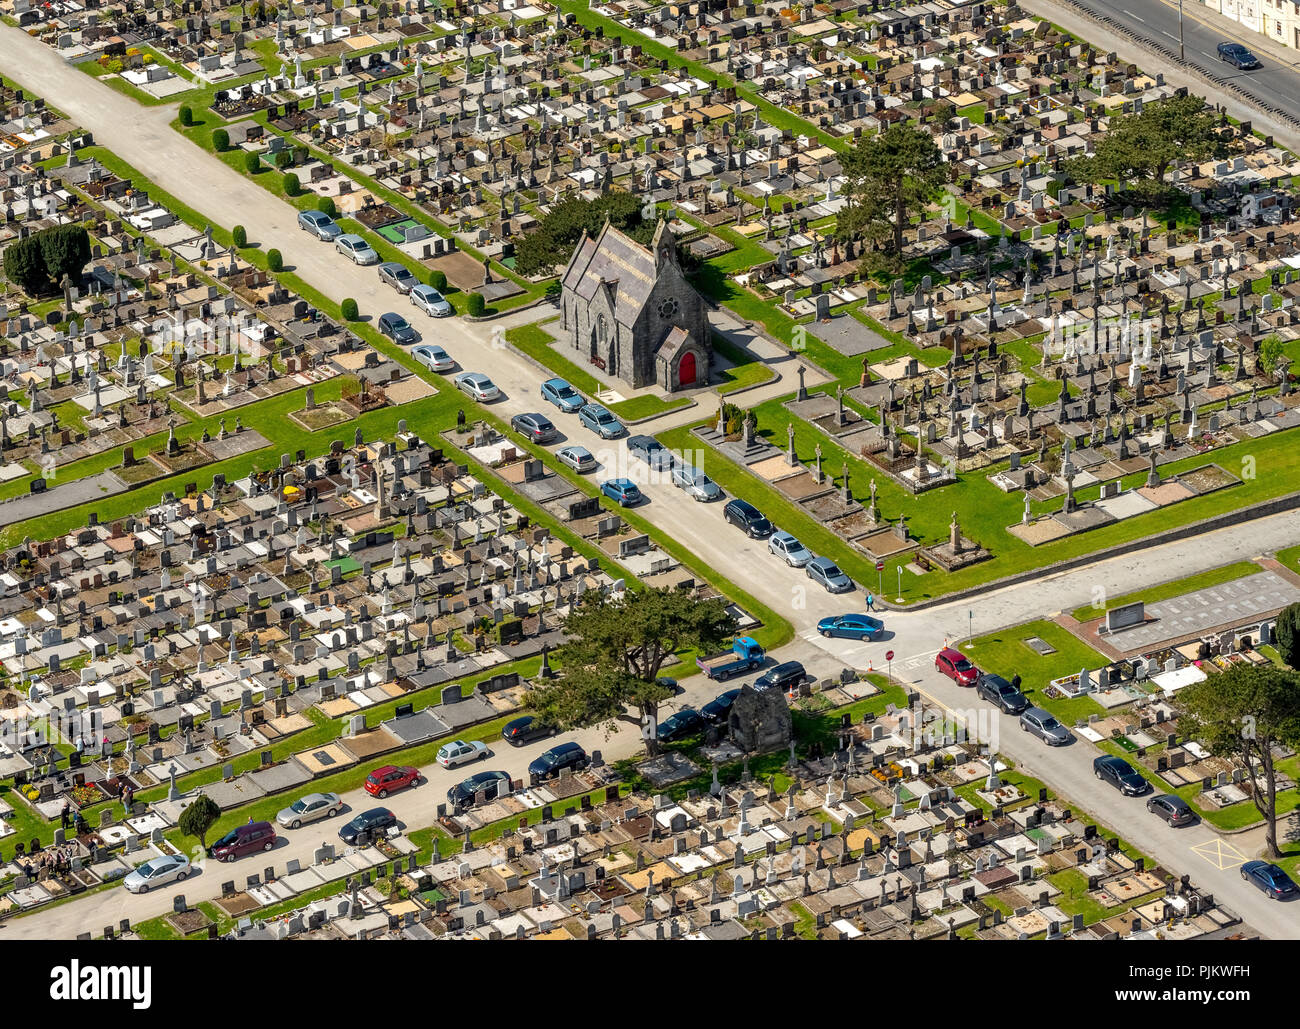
x,y
600,421
623,491
1269,878
563,396
850,627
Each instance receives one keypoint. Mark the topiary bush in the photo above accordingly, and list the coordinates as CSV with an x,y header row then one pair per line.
x,y
477,305
438,281
239,236
349,310
292,187
252,164
220,139
326,205
186,116
274,261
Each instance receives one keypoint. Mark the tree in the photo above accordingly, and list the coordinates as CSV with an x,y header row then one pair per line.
x,y
615,650
199,817
888,179
282,159
551,244
349,310
239,236
252,164
1286,635
65,250
220,140
25,267
327,206
274,260
1271,351
438,280
1244,713
187,119
1141,147
476,305
292,187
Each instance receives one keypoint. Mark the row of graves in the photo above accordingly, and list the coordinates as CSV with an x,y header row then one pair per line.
x,y
207,628
876,840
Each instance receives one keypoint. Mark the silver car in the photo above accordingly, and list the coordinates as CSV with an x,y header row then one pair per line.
x,y
695,483
157,872
310,808
462,752
1044,725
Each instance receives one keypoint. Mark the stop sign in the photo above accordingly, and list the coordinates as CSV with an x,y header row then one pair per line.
x,y
889,655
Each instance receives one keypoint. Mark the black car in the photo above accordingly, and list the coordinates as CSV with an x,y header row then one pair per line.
x,y
997,690
397,328
716,710
525,730
1172,808
746,516
557,759
367,826
685,722
782,677
1119,773
651,451
537,427
1238,56
494,784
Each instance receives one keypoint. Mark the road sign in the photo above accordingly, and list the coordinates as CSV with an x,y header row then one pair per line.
x,y
880,566
889,655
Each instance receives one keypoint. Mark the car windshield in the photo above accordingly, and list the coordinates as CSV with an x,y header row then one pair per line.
x,y
565,391
831,569
230,837
963,665
603,417
1050,723
298,806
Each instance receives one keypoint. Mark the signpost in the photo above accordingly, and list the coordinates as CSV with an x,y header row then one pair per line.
x,y
899,598
880,576
889,664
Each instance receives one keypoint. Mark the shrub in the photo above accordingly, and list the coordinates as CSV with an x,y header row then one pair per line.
x,y
220,140
239,236
252,164
326,205
438,280
283,159
349,310
274,261
292,187
38,263
187,118
477,305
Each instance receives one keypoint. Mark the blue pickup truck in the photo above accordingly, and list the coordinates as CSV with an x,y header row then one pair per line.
x,y
745,655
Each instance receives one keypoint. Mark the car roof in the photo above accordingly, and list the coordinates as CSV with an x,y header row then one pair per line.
x,y
621,483
314,216
565,748
352,237
557,382
950,654
821,562
1113,760
375,812
1037,712
744,505
575,448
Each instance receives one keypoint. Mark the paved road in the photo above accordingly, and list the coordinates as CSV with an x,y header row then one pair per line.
x,y
141,136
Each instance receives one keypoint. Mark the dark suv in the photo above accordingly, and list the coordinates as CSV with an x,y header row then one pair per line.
x,y
367,826
492,784
748,517
557,759
525,729
782,677
1119,773
243,839
996,689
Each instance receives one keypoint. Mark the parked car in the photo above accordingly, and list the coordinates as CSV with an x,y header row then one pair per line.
x,y
461,752
623,491
1043,724
391,778
1120,774
434,357
781,677
789,549
537,427
563,396
716,710
1172,808
477,385
746,516
1270,878
557,759
356,249
319,224
243,839
695,483
309,808
997,690
398,329
464,794
600,421
525,729
367,826
686,722
850,627
1238,56
169,868
651,451
431,302
400,277
580,459
956,666
825,572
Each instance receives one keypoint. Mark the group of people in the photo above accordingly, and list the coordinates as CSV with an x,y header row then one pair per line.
x,y
56,861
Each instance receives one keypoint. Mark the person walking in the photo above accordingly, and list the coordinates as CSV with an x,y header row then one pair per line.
x,y
871,602
65,814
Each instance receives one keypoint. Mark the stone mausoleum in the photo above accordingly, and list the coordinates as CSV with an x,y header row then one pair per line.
x,y
629,311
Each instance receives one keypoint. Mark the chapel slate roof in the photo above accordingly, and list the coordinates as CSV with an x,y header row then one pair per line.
x,y
613,257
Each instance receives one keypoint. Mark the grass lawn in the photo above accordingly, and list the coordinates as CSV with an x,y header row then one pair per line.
x,y
535,341
1290,557
646,406
1177,588
745,371
1006,654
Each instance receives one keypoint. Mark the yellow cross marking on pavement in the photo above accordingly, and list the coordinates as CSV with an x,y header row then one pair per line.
x,y
1220,853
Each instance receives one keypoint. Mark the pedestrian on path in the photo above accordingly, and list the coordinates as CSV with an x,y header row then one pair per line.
x,y
871,602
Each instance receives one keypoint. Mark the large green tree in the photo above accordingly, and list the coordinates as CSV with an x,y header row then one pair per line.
x,y
551,244
38,263
889,178
1286,635
615,649
199,817
1244,713
1139,148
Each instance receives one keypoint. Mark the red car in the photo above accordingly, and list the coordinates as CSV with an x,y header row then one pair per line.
x,y
955,665
383,781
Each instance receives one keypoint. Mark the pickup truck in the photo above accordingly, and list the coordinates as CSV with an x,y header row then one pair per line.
x,y
745,655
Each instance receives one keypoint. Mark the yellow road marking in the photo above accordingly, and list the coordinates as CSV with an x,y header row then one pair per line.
x,y
1220,853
